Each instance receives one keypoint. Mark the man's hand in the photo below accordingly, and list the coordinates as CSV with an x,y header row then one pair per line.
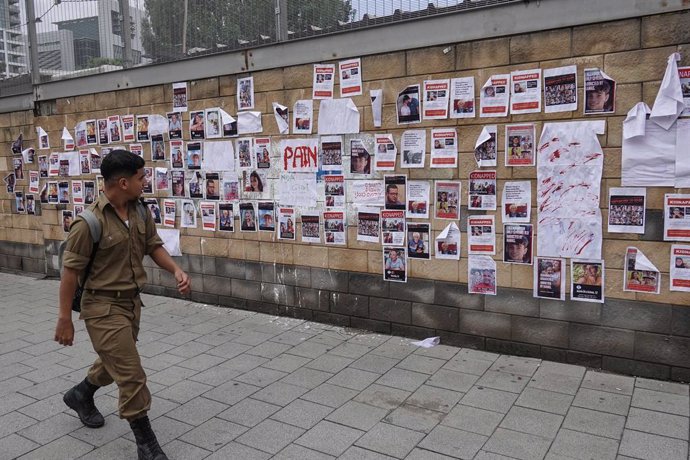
x,y
64,332
184,284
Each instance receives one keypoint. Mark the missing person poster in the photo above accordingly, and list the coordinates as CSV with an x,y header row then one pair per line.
x,y
680,268
462,97
311,227
481,235
626,209
640,274
396,192
394,264
331,153
266,218
303,114
245,93
485,148
323,80
351,77
208,215
525,87
418,199
286,223
676,217
179,96
334,189
418,240
482,190
386,153
481,275
549,278
600,92
560,89
226,216
368,225
413,147
366,193
407,105
334,227
436,95
517,199
188,216
517,244
444,148
247,217
169,209
520,145
393,227
447,195
494,97
587,280
448,243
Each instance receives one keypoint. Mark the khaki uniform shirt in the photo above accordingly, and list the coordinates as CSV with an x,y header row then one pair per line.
x,y
118,265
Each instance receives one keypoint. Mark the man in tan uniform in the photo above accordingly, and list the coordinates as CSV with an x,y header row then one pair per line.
x,y
111,307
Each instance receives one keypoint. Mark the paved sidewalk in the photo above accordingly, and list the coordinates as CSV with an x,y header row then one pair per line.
x,y
232,384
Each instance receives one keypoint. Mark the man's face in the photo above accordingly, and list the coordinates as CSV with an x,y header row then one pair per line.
x,y
392,195
394,255
195,160
597,99
178,188
136,183
486,277
516,251
211,187
359,163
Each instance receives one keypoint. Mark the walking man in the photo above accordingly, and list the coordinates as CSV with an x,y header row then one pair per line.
x,y
111,306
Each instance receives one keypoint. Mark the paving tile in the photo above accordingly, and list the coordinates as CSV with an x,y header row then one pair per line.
x,y
659,423
13,401
421,363
329,438
249,412
660,401
184,391
390,440
213,434
403,379
269,349
354,379
307,378
490,399
114,428
350,350
660,385
374,363
260,377
179,449
13,446
516,365
13,422
279,393
235,450
602,401
357,453
64,448
51,429
573,444
651,446
483,455
301,413
557,382
542,424
619,384
543,400
436,399
473,419
467,365
518,445
295,452
357,415
330,395
382,396
329,363
197,411
450,441
452,380
286,362
415,418
270,436
595,422
500,380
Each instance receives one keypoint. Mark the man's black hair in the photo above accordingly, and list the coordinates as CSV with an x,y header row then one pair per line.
x,y
121,163
391,187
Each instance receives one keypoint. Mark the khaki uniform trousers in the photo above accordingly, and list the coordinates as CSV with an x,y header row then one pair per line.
x,y
114,337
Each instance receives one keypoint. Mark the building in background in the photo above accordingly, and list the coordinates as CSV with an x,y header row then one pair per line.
x,y
13,59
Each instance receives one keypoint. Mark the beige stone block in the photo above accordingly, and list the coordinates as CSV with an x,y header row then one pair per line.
x,y
375,262
638,65
152,95
347,259
190,244
20,221
129,98
522,276
429,60
268,80
649,91
606,38
382,66
252,250
50,232
279,253
444,270
504,274
5,120
613,284
227,85
215,247
666,29
311,256
65,105
106,100
667,296
614,253
236,249
462,267
298,76
539,46
204,88
292,96
627,95
614,132
482,53
655,196
19,118
612,163
48,216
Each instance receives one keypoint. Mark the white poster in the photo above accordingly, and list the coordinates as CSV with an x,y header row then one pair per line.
x,y
482,191
365,192
682,155
462,97
436,95
282,116
376,96
549,278
179,101
525,87
386,152
334,190
485,149
302,116
338,116
331,153
413,146
286,223
560,89
322,84
447,195
676,217
600,92
368,225
299,155
171,241
569,168
418,199
494,97
208,215
350,77
448,243
311,227
680,268
169,208
245,93
188,216
394,264
297,189
68,140
407,105
626,210
587,280
249,122
517,200
393,227
334,227
444,148
481,234
520,145
684,76
481,275
640,274
218,155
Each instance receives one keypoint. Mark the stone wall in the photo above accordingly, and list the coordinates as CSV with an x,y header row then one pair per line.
x,y
635,333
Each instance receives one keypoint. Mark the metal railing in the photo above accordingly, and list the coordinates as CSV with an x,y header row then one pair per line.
x,y
71,38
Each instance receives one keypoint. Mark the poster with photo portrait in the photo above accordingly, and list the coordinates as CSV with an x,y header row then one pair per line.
x,y
174,125
394,264
407,105
197,125
517,243
213,125
226,216
247,217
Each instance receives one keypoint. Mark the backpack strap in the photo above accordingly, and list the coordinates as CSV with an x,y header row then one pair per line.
x,y
93,223
143,210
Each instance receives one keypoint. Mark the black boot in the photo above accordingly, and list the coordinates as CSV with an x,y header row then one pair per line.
x,y
80,399
147,444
